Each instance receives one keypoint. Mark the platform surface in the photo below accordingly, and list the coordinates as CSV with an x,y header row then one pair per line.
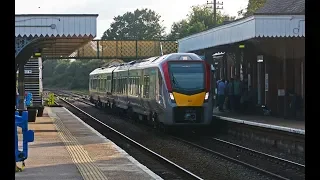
x,y
65,148
294,126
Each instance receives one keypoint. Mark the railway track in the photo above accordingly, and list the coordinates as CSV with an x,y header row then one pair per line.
x,y
258,155
278,160
296,170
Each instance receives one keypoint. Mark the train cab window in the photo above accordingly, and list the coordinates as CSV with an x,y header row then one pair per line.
x,y
187,77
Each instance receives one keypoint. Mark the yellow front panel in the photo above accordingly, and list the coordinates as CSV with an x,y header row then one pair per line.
x,y
189,100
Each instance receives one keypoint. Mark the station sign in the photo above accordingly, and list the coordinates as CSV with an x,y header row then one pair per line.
x,y
28,71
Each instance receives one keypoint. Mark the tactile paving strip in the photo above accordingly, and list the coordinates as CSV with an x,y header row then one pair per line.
x,y
85,165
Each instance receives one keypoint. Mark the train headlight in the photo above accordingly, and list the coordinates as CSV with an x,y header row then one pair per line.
x,y
206,96
171,96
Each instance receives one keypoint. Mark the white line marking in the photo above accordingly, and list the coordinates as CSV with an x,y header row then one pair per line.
x,y
281,128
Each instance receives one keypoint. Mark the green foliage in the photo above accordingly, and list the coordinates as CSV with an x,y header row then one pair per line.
x,y
141,24
65,74
199,19
253,6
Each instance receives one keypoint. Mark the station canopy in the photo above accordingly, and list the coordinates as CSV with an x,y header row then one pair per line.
x,y
273,20
52,35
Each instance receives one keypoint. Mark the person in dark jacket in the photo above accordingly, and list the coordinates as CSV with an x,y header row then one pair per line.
x,y
221,94
230,92
237,93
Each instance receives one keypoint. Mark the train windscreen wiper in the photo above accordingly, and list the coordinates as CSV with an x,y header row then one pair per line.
x,y
174,80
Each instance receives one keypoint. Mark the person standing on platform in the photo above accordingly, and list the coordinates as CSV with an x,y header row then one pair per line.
x,y
221,94
230,89
237,93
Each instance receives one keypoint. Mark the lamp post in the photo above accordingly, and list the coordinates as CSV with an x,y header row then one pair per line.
x,y
259,61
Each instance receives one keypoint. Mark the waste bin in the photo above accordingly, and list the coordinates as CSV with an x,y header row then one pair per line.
x,y
32,114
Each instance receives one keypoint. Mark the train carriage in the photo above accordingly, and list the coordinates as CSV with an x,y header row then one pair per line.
x,y
170,90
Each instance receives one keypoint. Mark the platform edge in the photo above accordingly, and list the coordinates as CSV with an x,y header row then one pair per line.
x,y
130,158
280,128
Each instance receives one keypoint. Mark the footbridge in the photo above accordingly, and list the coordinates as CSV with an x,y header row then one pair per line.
x,y
124,49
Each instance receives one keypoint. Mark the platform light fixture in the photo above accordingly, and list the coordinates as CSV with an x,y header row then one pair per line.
x,y
37,52
260,59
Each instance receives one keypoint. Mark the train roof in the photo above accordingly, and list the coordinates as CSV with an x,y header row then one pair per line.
x,y
102,70
144,63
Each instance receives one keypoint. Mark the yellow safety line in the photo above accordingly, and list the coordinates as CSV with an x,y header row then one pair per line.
x,y
85,165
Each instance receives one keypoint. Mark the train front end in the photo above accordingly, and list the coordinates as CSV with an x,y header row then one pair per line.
x,y
188,93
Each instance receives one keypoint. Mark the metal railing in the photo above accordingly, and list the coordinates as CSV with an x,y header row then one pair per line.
x,y
127,49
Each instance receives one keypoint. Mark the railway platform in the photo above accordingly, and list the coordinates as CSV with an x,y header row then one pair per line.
x,y
293,126
67,148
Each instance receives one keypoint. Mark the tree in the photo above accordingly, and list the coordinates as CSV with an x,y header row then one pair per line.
x,y
179,29
199,19
65,74
253,6
141,24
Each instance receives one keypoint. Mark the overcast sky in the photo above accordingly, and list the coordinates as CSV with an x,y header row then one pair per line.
x,y
170,10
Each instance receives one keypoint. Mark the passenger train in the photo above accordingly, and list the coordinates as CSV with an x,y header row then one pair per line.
x,y
168,91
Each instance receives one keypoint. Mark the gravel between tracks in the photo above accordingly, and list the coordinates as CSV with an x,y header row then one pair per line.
x,y
197,161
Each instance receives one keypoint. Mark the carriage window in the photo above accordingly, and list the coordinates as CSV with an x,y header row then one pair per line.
x,y
152,83
146,86
131,80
